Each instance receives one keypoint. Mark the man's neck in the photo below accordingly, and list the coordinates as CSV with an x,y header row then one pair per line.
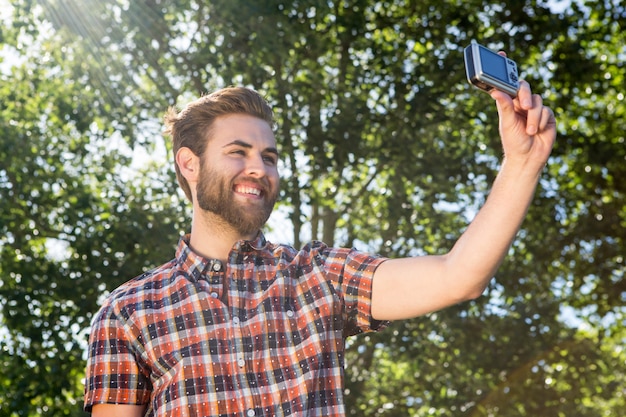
x,y
212,238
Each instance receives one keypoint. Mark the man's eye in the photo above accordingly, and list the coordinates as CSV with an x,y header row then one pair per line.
x,y
270,159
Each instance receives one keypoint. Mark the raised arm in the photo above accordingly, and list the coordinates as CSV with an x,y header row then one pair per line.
x,y
409,287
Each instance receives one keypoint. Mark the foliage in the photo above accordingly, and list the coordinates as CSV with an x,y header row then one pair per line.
x,y
385,148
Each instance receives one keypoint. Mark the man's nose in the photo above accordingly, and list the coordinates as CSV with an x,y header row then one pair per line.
x,y
255,166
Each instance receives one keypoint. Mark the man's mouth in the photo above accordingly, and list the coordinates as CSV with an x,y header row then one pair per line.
x,y
245,189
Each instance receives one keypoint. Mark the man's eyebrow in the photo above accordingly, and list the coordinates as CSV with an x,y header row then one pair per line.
x,y
238,142
244,144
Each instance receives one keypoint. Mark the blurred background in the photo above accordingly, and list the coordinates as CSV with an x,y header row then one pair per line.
x,y
384,146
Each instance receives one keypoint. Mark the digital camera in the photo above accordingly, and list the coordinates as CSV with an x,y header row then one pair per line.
x,y
487,70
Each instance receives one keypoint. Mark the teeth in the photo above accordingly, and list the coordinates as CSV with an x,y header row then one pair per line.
x,y
249,190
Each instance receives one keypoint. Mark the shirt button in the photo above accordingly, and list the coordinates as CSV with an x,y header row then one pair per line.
x,y
217,266
241,362
251,413
214,294
236,320
289,313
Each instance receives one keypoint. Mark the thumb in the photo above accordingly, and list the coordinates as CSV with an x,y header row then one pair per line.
x,y
505,107
510,120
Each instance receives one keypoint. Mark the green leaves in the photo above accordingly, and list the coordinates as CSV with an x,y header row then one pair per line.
x,y
385,147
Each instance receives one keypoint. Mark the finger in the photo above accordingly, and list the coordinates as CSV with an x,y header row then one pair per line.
x,y
547,118
505,106
525,95
534,115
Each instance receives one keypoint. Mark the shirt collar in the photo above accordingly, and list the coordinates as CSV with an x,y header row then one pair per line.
x,y
196,265
258,243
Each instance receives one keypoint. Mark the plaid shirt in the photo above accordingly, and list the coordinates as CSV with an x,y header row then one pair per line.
x,y
261,336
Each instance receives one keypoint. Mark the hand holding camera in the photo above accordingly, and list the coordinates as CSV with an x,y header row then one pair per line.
x,y
488,70
527,127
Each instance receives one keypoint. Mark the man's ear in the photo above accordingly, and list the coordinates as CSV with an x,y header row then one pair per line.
x,y
188,164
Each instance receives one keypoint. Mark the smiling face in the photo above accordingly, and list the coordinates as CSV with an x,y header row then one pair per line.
x,y
238,179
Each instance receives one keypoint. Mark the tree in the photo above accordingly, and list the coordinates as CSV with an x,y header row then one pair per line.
x,y
72,224
386,147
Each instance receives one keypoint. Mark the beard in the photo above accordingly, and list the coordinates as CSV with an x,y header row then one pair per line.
x,y
215,194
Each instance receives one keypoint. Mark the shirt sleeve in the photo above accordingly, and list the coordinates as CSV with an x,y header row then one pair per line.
x,y
354,276
113,375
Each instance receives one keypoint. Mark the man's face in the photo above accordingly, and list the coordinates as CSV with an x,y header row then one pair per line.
x,y
238,177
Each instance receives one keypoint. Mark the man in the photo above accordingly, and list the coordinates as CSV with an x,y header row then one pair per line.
x,y
238,326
